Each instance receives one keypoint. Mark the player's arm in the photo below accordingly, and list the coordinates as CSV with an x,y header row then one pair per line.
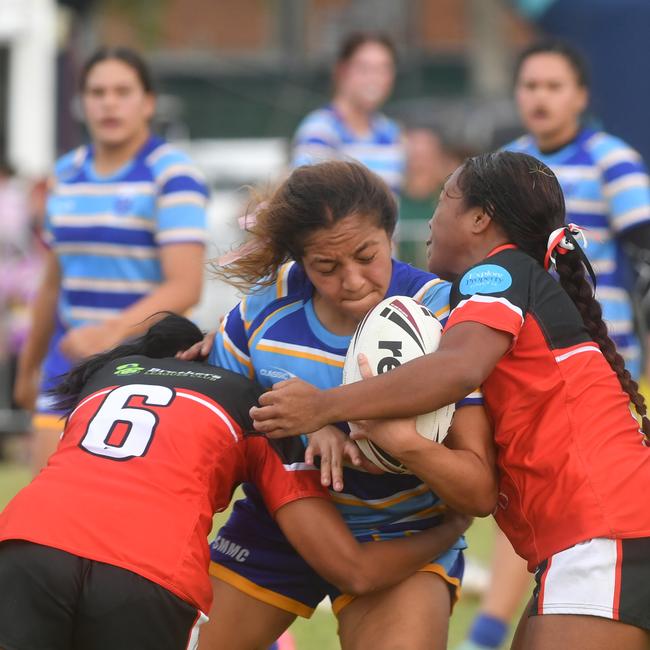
x,y
301,506
317,531
467,354
462,471
41,329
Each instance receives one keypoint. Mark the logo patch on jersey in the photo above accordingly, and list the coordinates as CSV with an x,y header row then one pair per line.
x,y
276,374
487,278
123,204
128,369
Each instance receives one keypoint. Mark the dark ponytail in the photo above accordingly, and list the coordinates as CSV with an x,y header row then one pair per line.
x,y
524,198
164,339
574,281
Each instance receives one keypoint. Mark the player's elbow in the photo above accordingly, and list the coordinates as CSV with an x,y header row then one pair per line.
x,y
358,582
468,377
484,506
354,576
482,502
478,499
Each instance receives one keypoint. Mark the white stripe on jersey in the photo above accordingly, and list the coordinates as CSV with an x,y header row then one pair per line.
x,y
629,218
110,250
182,235
425,287
108,220
215,409
102,284
583,205
132,188
626,182
575,173
300,467
491,299
623,154
580,350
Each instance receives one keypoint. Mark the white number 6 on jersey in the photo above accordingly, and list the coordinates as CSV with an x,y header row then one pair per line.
x,y
140,422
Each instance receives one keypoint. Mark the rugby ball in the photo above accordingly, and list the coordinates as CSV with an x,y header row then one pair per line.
x,y
397,330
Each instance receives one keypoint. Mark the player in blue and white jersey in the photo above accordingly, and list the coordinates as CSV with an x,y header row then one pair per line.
x,y
126,228
607,192
321,262
605,182
351,127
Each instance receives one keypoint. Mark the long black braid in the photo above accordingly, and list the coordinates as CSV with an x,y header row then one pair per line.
x,y
574,281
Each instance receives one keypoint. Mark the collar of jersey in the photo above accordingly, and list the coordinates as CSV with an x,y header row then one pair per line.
x,y
498,249
327,337
89,165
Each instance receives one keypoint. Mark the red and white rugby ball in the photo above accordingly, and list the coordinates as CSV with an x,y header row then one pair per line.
x,y
397,330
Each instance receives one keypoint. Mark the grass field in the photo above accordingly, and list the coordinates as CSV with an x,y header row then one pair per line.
x,y
318,633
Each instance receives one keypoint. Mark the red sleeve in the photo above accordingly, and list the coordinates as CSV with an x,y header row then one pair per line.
x,y
280,483
497,313
495,292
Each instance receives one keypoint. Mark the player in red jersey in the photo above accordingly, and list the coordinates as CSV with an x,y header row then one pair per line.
x,y
574,465
154,444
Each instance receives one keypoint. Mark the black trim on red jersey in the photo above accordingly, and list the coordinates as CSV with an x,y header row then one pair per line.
x,y
536,293
234,392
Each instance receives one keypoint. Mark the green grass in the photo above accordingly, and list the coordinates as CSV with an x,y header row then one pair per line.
x,y
319,632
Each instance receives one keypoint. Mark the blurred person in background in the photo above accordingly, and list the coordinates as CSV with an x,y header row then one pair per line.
x,y
607,192
21,257
429,160
125,228
351,126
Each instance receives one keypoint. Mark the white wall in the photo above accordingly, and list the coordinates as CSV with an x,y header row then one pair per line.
x,y
29,29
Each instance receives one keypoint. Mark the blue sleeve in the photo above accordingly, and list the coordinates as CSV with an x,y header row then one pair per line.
x,y
181,201
625,183
316,140
436,298
230,348
435,295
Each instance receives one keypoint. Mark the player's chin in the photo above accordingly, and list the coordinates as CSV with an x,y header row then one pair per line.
x,y
432,261
357,309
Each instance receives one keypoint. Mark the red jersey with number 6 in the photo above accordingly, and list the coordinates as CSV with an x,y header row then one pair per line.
x,y
151,451
572,463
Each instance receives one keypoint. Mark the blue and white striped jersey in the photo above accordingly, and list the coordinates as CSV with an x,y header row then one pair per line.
x,y
607,191
323,135
107,230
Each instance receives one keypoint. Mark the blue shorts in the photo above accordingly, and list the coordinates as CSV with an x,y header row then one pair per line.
x,y
251,554
54,365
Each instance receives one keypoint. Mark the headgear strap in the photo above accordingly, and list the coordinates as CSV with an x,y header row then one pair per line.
x,y
561,241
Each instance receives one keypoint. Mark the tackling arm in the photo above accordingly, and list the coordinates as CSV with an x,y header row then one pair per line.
x,y
316,530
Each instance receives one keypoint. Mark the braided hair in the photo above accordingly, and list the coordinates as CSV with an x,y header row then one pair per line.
x,y
524,198
164,339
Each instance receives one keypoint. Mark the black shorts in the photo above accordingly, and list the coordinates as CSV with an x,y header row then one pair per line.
x,y
52,600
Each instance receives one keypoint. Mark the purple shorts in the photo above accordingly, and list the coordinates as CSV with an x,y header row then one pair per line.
x,y
251,554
